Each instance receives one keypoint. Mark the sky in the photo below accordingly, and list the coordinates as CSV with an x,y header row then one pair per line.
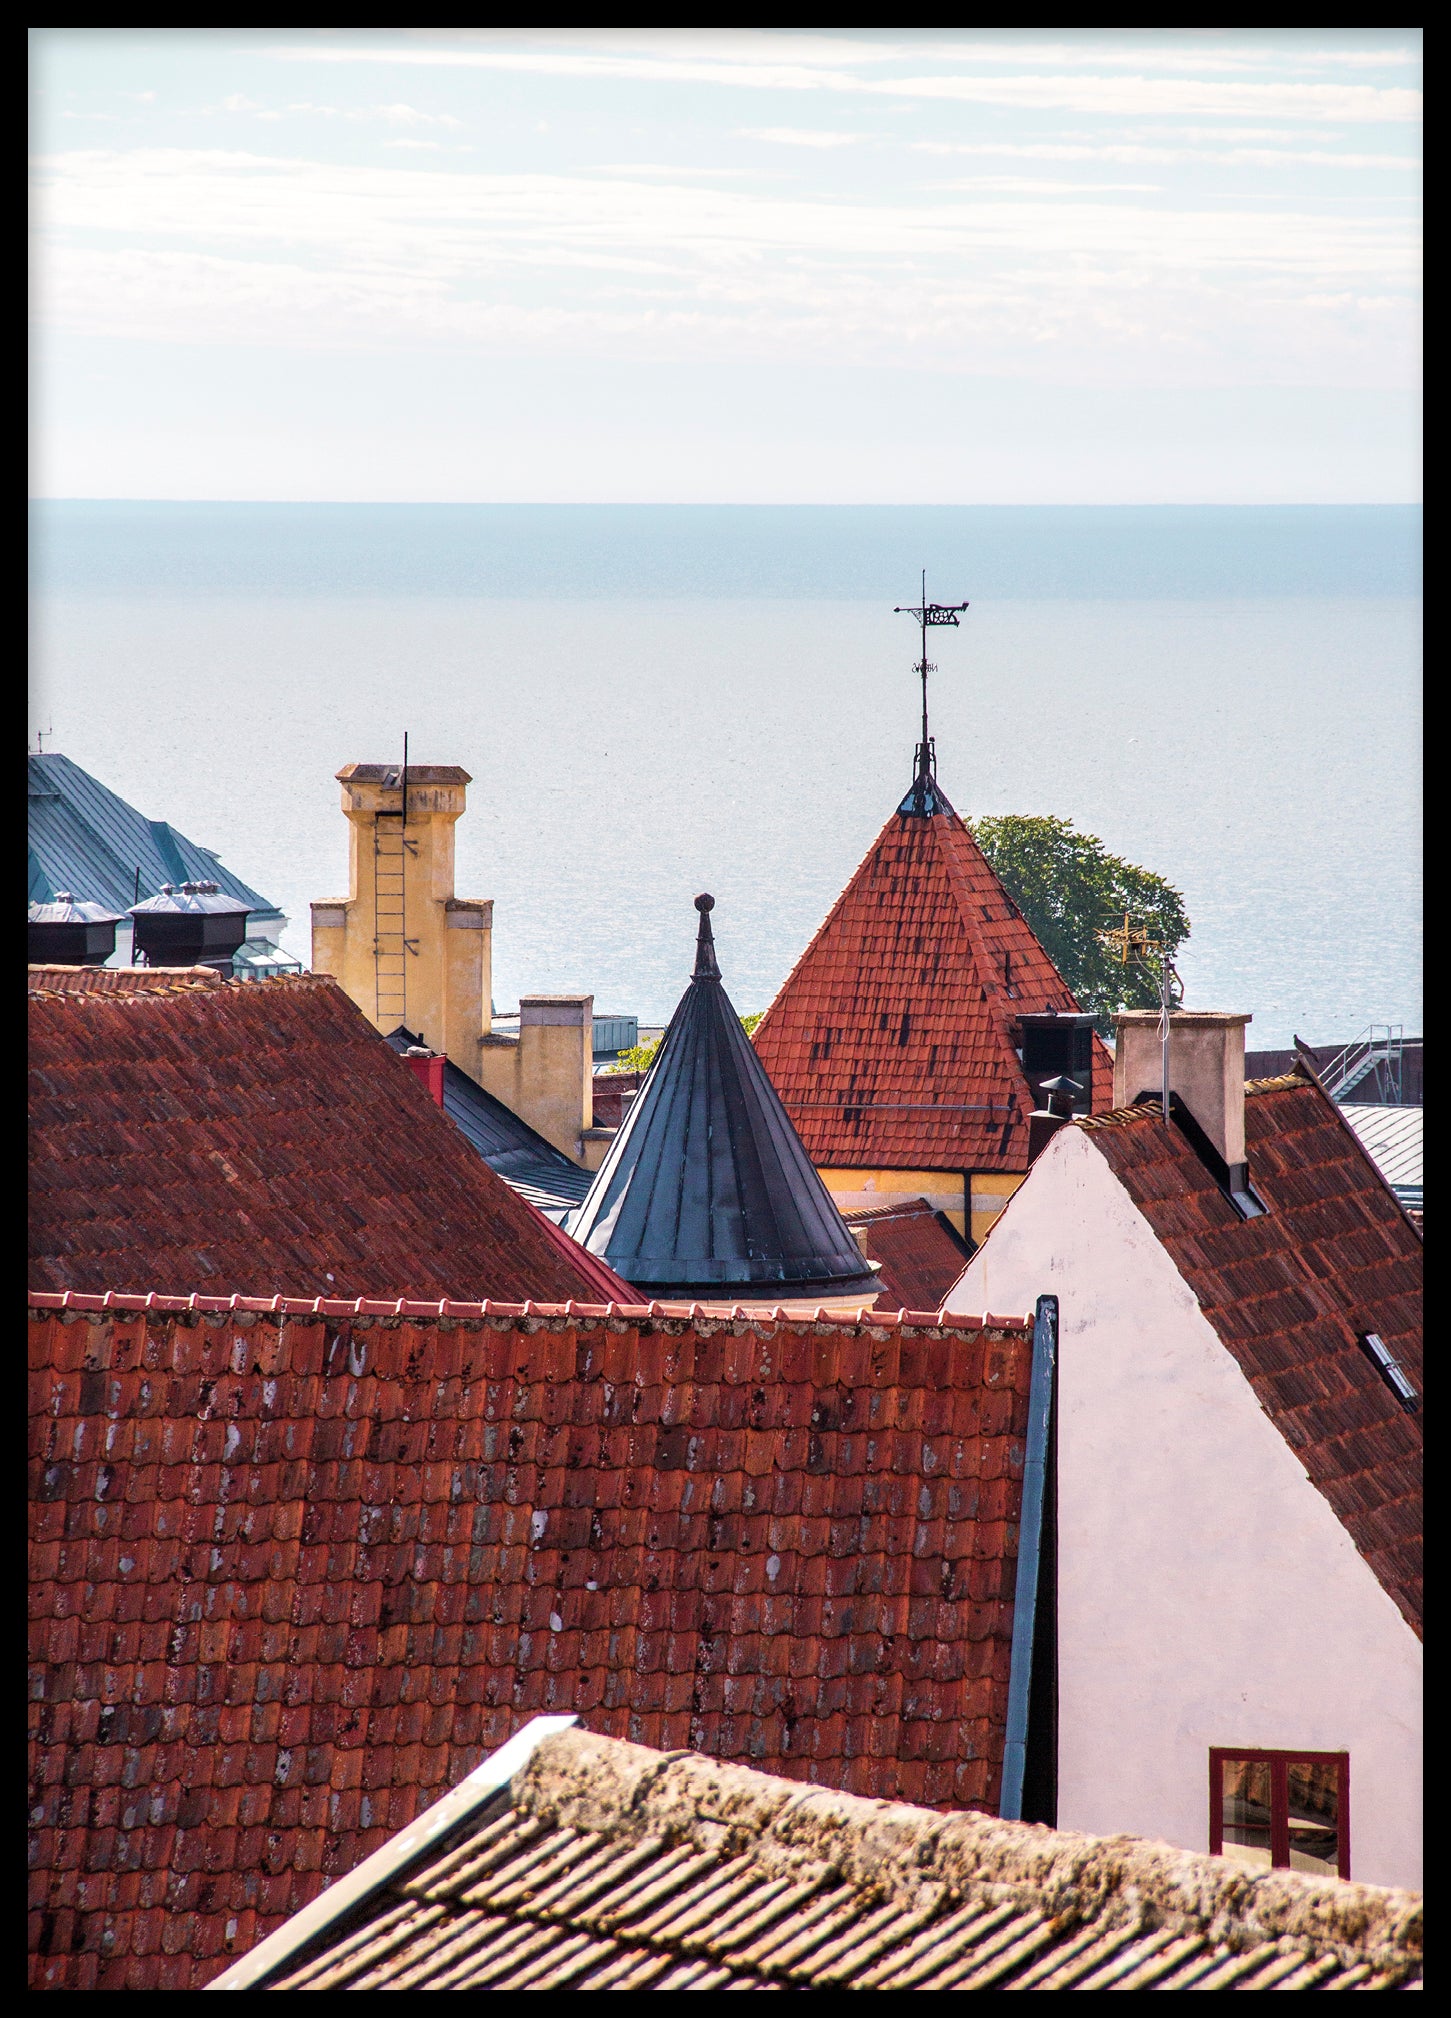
x,y
735,265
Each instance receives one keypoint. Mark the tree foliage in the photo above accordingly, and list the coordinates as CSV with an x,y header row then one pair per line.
x,y
1069,887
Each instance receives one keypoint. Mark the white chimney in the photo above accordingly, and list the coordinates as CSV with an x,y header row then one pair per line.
x,y
1206,1071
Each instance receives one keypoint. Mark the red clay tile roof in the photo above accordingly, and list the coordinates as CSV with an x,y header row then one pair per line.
x,y
1292,1293
258,1137
920,1259
892,1040
118,980
296,1572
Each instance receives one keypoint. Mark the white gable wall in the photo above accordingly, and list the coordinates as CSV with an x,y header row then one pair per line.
x,y
1207,1593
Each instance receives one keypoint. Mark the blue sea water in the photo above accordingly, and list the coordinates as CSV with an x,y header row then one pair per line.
x,y
656,700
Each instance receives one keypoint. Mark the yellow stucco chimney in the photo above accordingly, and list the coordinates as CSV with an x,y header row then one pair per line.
x,y
405,948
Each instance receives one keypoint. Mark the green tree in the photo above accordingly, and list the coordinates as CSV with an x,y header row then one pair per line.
x,y
1069,887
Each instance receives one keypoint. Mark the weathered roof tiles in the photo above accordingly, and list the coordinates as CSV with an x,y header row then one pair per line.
x,y
893,1040
604,1866
259,1138
297,1566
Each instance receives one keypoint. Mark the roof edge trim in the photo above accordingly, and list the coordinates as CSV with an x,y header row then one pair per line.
x,y
1026,1595
394,1857
155,1303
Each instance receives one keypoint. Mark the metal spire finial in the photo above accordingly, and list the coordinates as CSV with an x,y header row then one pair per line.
x,y
922,799
705,961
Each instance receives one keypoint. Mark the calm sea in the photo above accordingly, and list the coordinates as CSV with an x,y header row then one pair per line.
x,y
659,700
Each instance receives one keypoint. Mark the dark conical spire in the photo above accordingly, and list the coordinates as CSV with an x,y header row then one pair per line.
x,y
707,1191
705,963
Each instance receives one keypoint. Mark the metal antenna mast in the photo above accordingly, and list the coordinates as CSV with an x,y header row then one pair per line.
x,y
927,615
1132,943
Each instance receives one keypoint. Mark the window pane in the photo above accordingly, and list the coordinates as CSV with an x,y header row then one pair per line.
x,y
1246,1810
1314,1804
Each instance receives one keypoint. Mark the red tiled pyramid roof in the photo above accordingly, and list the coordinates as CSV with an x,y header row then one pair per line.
x,y
296,1572
259,1137
920,1259
892,1041
1291,1294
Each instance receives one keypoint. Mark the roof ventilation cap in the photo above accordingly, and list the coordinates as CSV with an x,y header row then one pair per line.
x,y
1390,1368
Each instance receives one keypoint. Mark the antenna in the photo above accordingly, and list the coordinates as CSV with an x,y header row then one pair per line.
x,y
1134,946
927,614
405,777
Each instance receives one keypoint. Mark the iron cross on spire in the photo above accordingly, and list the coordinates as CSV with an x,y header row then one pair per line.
x,y
921,799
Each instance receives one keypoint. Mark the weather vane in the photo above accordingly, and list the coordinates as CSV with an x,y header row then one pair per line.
x,y
1135,947
927,614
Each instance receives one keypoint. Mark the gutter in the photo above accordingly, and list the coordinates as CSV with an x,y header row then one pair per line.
x,y
1030,1554
395,1856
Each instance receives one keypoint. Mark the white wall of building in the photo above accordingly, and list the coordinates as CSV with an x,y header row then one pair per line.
x,y
1208,1595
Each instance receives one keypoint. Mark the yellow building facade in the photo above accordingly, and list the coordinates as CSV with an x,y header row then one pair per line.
x,y
413,954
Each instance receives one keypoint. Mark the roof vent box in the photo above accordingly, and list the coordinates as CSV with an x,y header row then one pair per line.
x,y
66,933
189,925
1055,1047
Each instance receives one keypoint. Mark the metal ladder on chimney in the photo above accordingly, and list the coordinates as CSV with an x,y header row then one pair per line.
x,y
1379,1050
391,946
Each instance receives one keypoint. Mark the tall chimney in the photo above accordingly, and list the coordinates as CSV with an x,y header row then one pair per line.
x,y
410,953
1206,1072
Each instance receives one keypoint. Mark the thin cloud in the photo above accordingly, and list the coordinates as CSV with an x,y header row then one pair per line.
x,y
1259,157
1139,96
1033,186
388,115
799,136
766,46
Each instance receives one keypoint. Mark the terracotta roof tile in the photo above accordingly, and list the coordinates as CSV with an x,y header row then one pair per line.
x,y
368,1533
119,980
892,1041
257,1137
1292,1293
920,1256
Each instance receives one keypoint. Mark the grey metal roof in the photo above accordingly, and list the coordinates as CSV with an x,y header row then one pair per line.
x,y
85,838
707,1183
527,1162
1392,1137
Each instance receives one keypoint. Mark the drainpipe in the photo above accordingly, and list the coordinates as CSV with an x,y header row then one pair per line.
x,y
1030,1555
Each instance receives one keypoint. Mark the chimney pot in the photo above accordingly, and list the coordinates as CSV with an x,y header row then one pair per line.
x,y
426,1067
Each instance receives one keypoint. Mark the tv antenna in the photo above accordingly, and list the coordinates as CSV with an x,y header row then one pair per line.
x,y
1135,947
927,615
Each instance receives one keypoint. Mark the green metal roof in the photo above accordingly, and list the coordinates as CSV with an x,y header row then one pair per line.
x,y
86,839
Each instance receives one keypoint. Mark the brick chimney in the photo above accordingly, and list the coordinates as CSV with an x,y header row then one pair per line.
x,y
1206,1073
427,1067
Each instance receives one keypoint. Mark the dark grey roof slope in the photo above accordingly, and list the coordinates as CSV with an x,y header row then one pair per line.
x,y
527,1163
600,1865
85,838
707,1184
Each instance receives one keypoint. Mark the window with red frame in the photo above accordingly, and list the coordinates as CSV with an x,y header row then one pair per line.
x,y
1282,1810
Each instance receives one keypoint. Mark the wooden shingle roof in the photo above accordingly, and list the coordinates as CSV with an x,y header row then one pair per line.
x,y
298,1565
605,1866
1292,1293
893,1040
